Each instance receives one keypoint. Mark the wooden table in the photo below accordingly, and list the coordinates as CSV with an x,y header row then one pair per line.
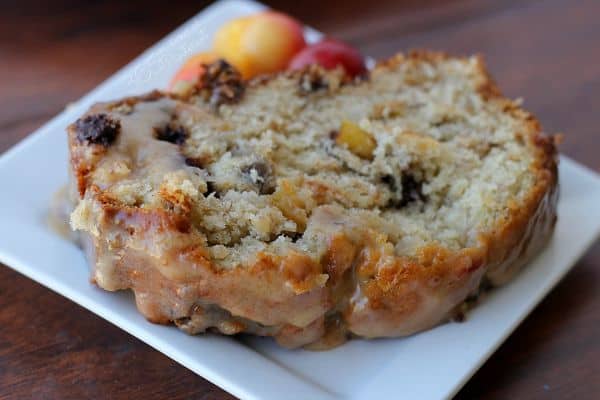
x,y
545,51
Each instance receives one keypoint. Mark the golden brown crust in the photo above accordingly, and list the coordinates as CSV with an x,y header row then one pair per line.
x,y
362,285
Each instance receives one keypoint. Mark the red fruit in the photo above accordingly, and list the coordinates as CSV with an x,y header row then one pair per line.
x,y
330,53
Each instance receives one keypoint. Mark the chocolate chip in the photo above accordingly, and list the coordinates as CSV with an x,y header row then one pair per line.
x,y
334,134
97,129
294,236
210,189
194,162
219,72
390,181
171,133
312,80
221,84
262,178
411,190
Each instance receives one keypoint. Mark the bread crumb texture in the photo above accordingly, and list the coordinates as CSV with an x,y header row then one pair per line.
x,y
311,200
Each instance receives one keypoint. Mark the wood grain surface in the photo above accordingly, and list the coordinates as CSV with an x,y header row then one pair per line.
x,y
51,53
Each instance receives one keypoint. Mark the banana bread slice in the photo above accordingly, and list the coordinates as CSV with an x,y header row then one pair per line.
x,y
312,207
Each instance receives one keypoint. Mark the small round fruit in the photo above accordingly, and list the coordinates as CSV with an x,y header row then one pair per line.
x,y
261,43
331,53
228,42
191,71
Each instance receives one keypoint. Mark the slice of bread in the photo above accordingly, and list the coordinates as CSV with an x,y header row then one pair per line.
x,y
311,207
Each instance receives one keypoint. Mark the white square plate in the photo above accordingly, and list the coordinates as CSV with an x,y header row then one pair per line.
x,y
431,365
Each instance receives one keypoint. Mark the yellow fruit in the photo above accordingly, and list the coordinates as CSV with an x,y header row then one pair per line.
x,y
356,139
228,44
292,205
261,43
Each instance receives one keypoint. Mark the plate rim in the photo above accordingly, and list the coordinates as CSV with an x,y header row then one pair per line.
x,y
217,377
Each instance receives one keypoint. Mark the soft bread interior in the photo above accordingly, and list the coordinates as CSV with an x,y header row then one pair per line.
x,y
434,160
